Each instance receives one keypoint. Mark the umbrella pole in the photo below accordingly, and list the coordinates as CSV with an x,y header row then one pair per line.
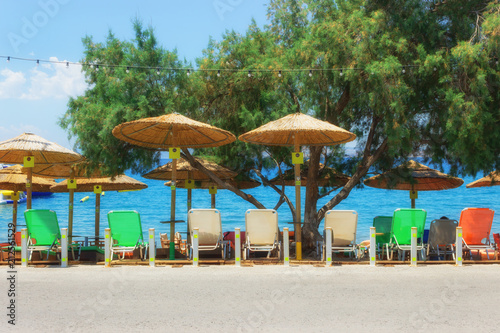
x,y
213,200
298,226
97,215
14,217
172,210
190,196
70,210
29,180
70,214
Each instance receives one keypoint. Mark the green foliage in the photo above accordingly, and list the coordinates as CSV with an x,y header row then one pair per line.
x,y
116,96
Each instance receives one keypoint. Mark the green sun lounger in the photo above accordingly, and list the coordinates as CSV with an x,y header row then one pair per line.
x,y
383,226
126,232
402,222
44,233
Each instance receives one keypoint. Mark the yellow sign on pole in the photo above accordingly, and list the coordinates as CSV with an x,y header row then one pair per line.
x,y
413,194
72,184
29,161
189,184
97,189
297,158
212,189
174,153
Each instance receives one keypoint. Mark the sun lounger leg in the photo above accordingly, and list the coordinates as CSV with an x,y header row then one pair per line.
x,y
108,253
24,247
195,247
458,247
64,247
414,253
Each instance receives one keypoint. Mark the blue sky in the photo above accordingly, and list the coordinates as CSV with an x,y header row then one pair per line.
x,y
32,98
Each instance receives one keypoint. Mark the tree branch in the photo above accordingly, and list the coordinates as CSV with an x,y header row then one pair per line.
x,y
194,163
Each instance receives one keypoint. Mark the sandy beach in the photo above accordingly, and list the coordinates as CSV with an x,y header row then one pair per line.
x,y
255,299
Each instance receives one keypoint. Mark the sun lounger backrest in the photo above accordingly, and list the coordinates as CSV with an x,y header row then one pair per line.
x,y
383,225
476,224
343,224
125,227
261,226
42,226
442,232
209,223
402,222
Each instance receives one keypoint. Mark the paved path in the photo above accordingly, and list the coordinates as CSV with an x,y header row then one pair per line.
x,y
255,299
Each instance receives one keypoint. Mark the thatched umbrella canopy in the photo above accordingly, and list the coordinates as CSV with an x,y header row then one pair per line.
x,y
186,173
328,177
72,171
295,130
36,150
13,179
208,185
172,131
98,185
493,179
413,176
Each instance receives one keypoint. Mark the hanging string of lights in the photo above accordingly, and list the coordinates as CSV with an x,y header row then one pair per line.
x,y
96,66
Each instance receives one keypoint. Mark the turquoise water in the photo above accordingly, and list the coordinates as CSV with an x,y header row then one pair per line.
x,y
153,204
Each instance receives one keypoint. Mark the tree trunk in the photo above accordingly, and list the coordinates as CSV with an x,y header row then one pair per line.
x,y
310,232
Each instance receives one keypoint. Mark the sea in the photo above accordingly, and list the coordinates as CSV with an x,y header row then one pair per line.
x,y
153,204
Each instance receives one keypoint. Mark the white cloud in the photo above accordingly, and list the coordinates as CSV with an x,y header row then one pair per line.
x,y
11,83
51,80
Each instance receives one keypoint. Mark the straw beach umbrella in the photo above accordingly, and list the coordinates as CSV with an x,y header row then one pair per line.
x,y
188,175
98,185
413,176
208,185
328,177
295,130
13,179
72,172
493,179
30,149
173,132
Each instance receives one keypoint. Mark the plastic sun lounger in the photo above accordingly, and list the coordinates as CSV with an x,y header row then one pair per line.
x,y
383,225
476,227
261,232
210,237
344,224
402,222
44,233
442,234
126,233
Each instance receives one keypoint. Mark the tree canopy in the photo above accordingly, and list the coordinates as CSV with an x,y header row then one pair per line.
x,y
408,77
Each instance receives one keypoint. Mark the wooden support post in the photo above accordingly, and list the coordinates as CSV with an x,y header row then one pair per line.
x,y
286,247
152,247
373,247
107,247
64,247
237,247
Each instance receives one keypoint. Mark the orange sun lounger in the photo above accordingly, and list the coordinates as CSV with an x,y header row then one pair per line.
x,y
476,227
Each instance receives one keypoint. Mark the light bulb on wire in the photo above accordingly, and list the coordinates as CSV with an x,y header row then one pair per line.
x,y
279,74
127,70
218,73
8,59
310,73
